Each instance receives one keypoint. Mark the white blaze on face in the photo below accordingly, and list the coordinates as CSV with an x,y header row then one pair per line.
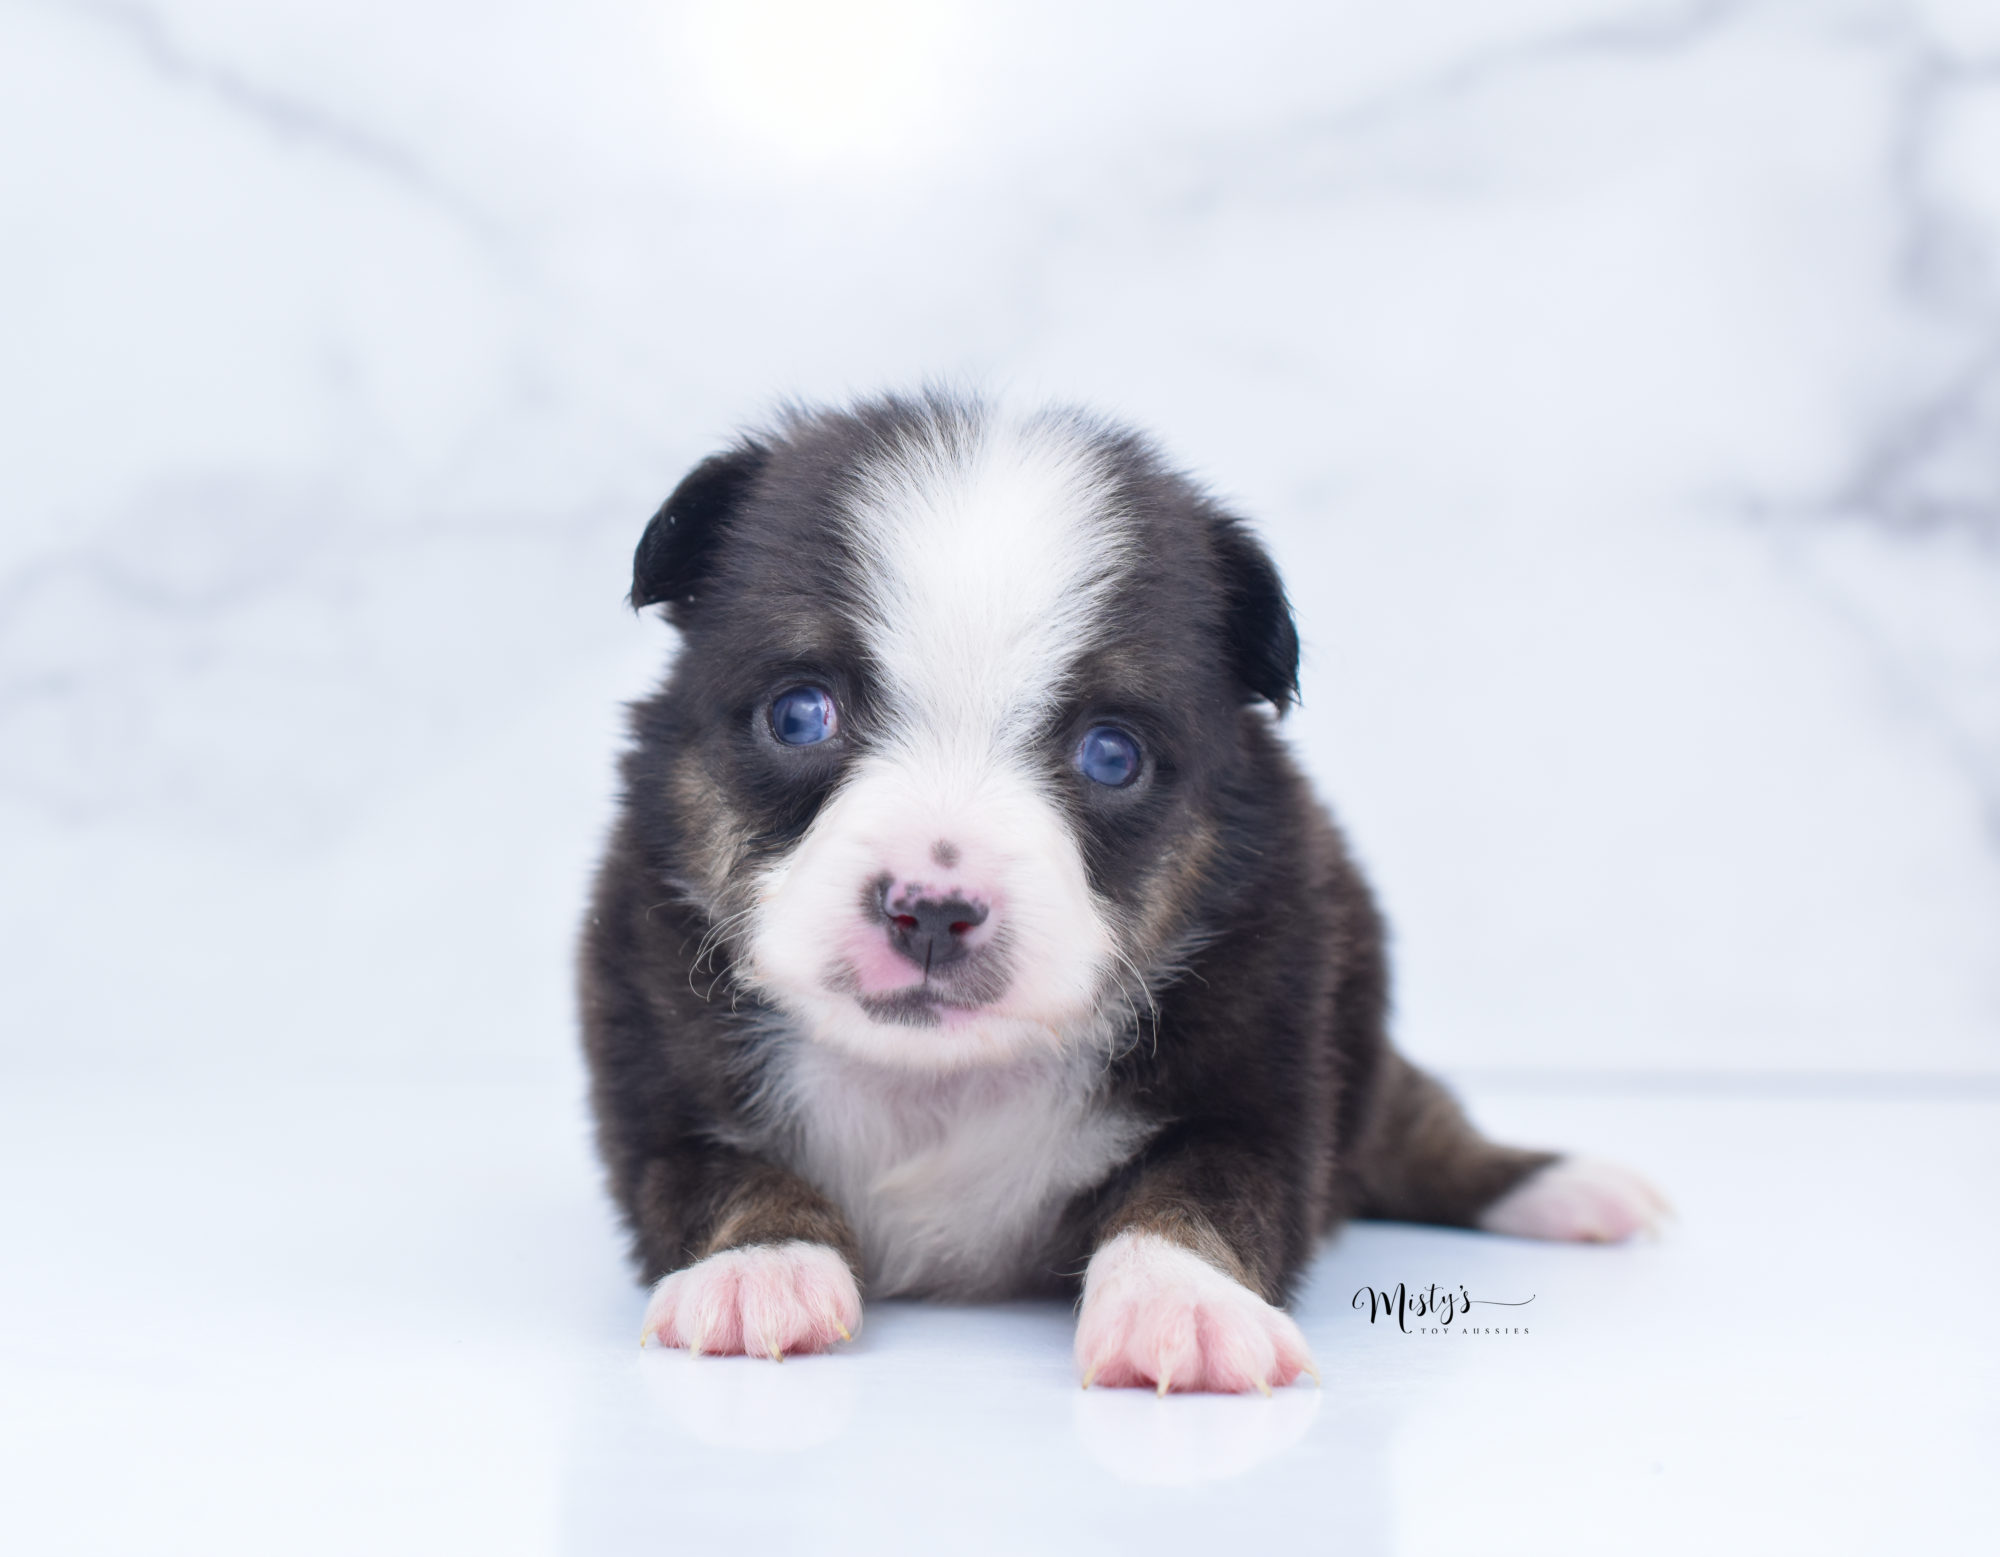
x,y
986,563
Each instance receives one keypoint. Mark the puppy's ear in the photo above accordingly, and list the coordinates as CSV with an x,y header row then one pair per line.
x,y
1262,639
674,552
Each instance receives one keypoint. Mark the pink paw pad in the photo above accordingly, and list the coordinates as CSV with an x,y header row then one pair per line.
x,y
1158,1315
763,1301
1578,1200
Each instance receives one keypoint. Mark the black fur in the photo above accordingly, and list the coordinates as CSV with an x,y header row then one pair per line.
x,y
672,556
1262,638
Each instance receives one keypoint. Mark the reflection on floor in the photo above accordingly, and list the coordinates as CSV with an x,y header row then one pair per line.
x,y
311,1316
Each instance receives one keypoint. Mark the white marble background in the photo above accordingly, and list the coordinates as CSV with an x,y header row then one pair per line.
x,y
1619,383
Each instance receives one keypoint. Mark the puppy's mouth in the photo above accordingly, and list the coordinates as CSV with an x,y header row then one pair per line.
x,y
941,999
921,1006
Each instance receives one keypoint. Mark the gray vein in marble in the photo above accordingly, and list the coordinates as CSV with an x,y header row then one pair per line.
x,y
1924,472
1287,162
280,114
1649,32
1906,480
1942,259
1920,697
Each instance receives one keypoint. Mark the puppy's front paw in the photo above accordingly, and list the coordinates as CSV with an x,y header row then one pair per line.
x,y
1156,1313
762,1301
1578,1199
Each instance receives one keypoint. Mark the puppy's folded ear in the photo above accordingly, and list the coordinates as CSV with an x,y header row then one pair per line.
x,y
674,552
1262,639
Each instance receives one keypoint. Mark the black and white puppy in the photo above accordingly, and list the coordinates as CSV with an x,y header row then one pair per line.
x,y
968,929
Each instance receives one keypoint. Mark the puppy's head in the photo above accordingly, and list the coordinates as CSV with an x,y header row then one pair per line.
x,y
944,754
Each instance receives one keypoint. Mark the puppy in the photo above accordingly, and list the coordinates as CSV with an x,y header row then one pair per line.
x,y
967,927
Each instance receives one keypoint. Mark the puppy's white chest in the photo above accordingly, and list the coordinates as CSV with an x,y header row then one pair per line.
x,y
952,1184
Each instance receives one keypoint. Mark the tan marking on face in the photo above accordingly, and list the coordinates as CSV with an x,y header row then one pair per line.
x,y
1172,890
715,831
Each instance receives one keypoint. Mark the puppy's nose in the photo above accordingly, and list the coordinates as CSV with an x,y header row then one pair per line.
x,y
931,931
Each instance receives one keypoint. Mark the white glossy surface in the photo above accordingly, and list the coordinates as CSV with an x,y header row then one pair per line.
x,y
314,1317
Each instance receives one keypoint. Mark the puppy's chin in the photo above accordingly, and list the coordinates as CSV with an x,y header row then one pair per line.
x,y
909,1032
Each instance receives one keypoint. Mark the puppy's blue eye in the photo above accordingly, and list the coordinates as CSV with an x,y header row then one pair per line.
x,y
1107,755
803,716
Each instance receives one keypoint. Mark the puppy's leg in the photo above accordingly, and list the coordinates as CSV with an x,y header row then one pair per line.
x,y
1419,1159
767,1265
1178,1291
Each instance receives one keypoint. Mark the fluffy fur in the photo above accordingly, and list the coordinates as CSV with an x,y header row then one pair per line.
x,y
926,999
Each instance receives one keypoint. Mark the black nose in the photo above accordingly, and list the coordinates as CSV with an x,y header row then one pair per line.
x,y
931,931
